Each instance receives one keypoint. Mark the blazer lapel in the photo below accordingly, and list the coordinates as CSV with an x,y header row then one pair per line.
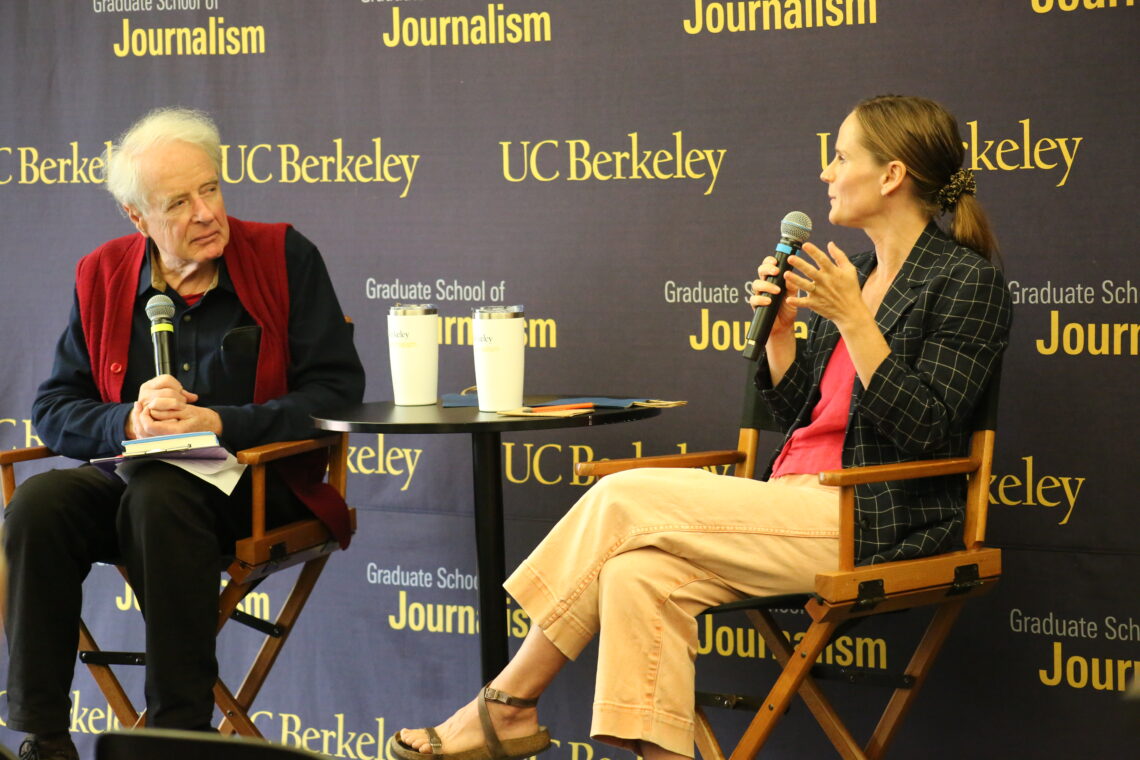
x,y
923,260
919,266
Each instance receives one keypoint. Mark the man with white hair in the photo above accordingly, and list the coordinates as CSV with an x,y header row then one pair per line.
x,y
261,344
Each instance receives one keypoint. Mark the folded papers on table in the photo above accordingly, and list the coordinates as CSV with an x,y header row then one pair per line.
x,y
600,402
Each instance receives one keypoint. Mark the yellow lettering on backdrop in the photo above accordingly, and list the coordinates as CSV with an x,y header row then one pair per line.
x,y
709,16
1079,672
30,437
213,39
495,27
1068,6
1028,490
1025,152
1091,338
382,460
723,335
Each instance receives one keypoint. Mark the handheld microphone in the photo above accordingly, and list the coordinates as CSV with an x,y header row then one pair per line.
x,y
160,310
795,228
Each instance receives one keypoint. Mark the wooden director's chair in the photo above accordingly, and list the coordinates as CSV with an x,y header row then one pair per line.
x,y
848,594
305,542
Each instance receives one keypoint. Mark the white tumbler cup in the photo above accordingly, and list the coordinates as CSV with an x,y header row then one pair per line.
x,y
413,351
499,336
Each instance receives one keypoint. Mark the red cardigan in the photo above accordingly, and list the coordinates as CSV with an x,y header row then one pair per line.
x,y
107,278
106,282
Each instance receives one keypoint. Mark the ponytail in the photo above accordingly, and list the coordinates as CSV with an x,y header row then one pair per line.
x,y
971,228
924,136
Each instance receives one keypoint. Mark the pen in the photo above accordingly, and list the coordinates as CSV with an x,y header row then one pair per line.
x,y
563,407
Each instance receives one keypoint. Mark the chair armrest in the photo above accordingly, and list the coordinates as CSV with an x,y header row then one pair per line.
x,y
695,459
8,460
910,575
259,456
271,452
925,468
853,476
25,455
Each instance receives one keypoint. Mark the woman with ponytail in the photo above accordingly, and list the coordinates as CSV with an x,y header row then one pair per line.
x,y
901,344
924,136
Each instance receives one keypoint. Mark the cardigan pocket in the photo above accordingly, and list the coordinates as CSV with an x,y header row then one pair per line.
x,y
240,349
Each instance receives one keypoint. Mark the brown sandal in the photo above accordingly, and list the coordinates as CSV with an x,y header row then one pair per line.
x,y
493,748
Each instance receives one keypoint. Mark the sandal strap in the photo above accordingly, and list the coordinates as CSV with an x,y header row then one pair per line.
x,y
491,738
436,742
494,746
504,698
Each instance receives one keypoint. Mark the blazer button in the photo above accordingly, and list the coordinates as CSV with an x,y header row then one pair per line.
x,y
865,523
116,368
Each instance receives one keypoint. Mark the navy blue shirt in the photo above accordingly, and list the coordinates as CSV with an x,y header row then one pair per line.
x,y
213,354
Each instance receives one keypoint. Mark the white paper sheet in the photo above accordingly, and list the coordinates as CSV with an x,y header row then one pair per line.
x,y
221,473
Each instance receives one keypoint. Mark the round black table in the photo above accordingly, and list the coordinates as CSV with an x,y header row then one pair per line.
x,y
485,430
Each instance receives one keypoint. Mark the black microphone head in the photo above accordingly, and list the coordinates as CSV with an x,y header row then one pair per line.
x,y
796,225
160,307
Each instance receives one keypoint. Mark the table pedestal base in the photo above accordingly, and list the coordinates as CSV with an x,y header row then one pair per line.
x,y
487,464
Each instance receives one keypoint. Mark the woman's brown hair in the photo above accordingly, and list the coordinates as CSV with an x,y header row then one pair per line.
x,y
924,136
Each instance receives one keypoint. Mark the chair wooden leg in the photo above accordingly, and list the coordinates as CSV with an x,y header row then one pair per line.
x,y
918,668
237,720
809,690
109,684
706,741
235,707
786,686
231,597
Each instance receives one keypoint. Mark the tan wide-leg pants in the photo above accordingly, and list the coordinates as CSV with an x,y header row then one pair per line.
x,y
645,551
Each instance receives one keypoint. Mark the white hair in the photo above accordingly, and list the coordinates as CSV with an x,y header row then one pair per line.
x,y
162,125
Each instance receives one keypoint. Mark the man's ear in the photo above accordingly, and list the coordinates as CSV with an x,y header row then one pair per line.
x,y
136,218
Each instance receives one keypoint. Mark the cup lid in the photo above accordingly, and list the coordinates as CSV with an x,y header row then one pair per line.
x,y
413,309
497,312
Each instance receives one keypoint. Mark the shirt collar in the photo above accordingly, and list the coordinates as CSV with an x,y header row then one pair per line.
x,y
150,276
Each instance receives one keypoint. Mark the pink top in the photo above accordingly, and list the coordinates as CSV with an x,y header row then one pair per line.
x,y
818,445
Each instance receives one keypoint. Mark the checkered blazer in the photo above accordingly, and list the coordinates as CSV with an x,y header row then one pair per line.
x,y
946,319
